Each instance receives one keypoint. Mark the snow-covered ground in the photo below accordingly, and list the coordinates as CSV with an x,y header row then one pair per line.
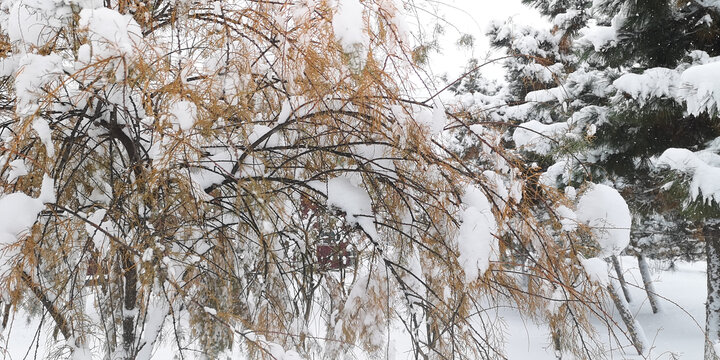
x,y
674,333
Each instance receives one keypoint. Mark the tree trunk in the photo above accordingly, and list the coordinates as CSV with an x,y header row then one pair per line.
x,y
711,234
129,300
6,315
621,277
648,283
557,344
637,335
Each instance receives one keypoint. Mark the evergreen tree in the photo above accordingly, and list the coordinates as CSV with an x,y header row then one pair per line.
x,y
533,73
640,84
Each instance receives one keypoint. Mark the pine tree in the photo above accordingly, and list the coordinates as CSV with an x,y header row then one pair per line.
x,y
655,59
657,44
533,73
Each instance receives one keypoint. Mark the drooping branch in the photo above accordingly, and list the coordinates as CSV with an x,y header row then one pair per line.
x,y
49,306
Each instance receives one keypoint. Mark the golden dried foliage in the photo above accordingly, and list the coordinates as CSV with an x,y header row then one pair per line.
x,y
193,174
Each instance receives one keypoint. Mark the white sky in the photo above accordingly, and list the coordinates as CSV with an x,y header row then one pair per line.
x,y
472,17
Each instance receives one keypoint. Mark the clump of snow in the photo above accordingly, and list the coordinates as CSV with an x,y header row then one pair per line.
x,y
477,244
79,351
596,269
538,137
45,135
147,255
47,190
602,36
9,65
18,168
704,173
35,72
300,10
398,19
215,168
692,85
32,22
498,189
210,310
184,114
570,192
110,33
278,352
348,26
652,83
700,88
545,74
591,130
561,170
605,211
18,213
564,19
354,201
553,94
414,274
567,217
526,44
434,120
258,132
